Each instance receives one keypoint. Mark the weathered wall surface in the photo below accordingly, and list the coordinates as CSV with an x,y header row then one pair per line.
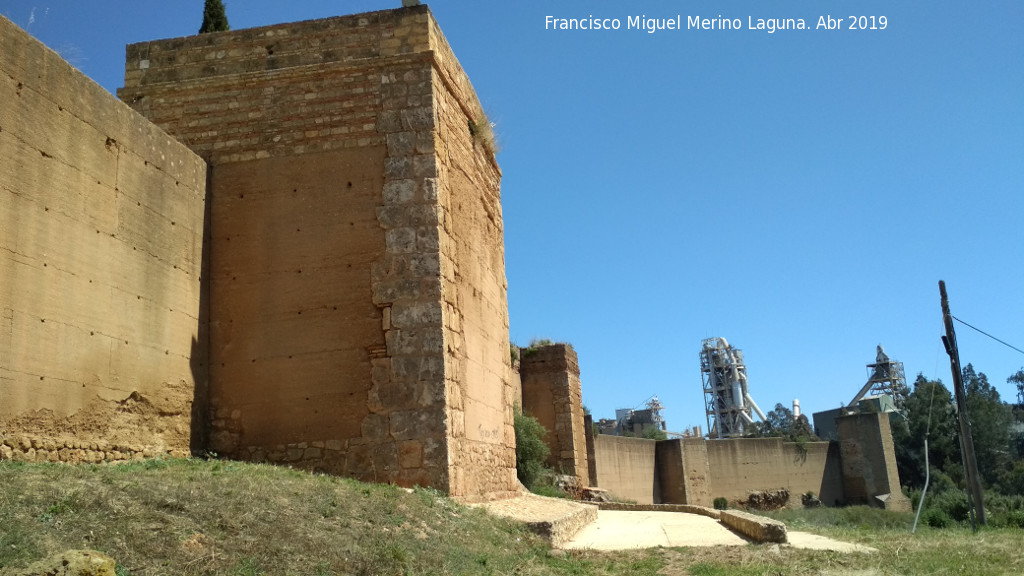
x,y
359,323
552,395
101,253
869,471
740,466
626,468
695,471
480,388
683,471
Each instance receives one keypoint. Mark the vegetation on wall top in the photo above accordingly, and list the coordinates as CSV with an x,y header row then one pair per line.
x,y
215,19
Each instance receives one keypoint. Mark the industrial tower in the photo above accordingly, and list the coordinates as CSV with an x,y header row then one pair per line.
x,y
726,396
885,377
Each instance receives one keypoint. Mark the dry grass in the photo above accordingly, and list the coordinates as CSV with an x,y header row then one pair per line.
x,y
187,517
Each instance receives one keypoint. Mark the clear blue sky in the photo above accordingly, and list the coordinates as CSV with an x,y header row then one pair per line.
x,y
798,193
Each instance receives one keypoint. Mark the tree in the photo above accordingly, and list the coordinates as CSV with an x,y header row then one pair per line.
x,y
1018,379
654,433
1018,413
991,426
531,451
928,410
215,19
780,423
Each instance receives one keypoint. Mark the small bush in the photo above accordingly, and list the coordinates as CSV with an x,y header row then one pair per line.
x,y
1013,519
936,518
721,503
654,433
953,503
531,451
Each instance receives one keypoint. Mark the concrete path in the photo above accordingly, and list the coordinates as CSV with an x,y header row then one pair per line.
x,y
815,542
627,530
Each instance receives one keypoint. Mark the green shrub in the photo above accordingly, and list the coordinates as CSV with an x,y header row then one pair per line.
x,y
936,518
953,503
531,451
654,433
721,503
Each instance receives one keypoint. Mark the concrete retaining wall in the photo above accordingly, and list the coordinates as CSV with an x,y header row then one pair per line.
x,y
744,465
695,471
626,468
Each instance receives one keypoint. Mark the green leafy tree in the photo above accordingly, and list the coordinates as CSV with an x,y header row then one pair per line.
x,y
991,426
531,451
780,423
654,433
215,19
927,409
1018,413
1018,380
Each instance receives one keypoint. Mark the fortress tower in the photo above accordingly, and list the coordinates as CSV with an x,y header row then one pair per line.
x,y
357,306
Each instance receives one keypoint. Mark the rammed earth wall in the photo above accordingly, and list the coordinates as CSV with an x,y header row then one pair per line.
x,y
552,394
102,351
358,317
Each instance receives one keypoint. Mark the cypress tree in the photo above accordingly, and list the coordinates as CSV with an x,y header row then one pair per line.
x,y
214,17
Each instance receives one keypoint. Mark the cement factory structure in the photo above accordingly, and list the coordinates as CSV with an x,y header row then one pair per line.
x,y
729,406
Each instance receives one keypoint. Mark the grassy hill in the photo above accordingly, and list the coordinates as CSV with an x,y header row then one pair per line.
x,y
186,517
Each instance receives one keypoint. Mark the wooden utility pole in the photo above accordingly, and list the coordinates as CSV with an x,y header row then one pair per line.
x,y
974,491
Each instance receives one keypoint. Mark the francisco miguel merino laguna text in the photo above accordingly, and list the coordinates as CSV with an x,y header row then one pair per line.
x,y
652,25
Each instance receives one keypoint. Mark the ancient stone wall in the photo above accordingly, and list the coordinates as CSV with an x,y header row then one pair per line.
x,y
869,473
358,310
102,351
552,395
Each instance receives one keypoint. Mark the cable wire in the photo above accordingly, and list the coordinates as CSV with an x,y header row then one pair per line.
x,y
987,334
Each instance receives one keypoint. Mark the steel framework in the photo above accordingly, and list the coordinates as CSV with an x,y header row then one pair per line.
x,y
727,398
885,376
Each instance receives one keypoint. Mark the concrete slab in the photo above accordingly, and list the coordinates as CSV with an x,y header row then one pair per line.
x,y
616,530
815,542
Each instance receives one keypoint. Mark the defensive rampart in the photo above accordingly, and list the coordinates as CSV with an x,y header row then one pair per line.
x,y
358,317
101,262
551,393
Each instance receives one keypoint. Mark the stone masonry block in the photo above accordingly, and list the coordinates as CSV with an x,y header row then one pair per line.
x,y
400,167
430,189
401,143
389,121
410,454
389,396
425,166
393,216
425,264
428,239
413,424
425,142
380,372
416,314
393,290
418,118
401,240
375,427
399,191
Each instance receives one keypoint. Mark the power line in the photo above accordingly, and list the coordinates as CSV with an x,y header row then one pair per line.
x,y
987,334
